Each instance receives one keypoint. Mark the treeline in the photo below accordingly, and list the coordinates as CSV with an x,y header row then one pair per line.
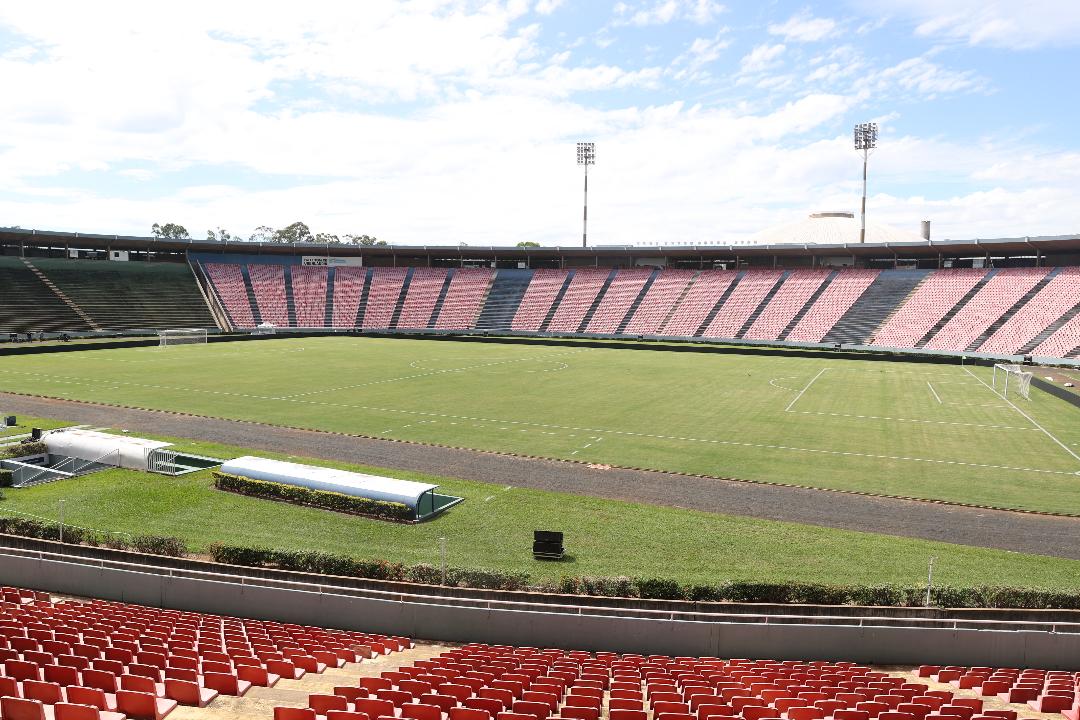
x,y
297,232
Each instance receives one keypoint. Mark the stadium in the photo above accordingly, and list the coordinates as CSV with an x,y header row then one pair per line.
x,y
734,452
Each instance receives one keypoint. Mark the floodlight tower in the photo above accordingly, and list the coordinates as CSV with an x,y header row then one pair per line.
x,y
586,155
865,140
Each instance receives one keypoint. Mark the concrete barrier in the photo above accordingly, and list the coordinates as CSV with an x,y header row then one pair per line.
x,y
322,606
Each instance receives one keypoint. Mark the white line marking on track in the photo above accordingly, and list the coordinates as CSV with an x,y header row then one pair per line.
x,y
1026,416
812,381
936,396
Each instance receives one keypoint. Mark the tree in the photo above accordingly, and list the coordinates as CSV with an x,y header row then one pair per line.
x,y
263,233
363,240
297,232
528,243
170,231
222,235
327,239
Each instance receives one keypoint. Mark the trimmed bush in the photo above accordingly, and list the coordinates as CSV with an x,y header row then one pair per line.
x,y
27,447
338,502
159,545
7,477
151,544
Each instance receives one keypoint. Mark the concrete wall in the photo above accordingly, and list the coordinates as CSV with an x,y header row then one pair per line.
x,y
879,645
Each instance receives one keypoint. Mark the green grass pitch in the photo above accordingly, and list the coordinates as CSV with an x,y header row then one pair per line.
x,y
935,431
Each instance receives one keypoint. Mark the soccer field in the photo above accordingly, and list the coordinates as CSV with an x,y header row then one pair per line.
x,y
923,430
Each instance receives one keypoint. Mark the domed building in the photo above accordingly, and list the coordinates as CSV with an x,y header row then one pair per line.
x,y
830,228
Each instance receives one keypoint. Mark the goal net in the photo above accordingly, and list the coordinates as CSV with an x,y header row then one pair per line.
x,y
1012,378
182,336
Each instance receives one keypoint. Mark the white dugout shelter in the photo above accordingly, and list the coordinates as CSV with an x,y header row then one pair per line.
x,y
123,451
420,497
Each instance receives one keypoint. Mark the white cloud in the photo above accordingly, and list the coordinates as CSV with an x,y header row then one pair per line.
x,y
702,52
762,57
804,28
927,78
546,7
662,12
997,23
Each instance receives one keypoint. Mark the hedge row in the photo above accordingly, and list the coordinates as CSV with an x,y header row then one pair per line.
x,y
7,477
653,588
151,544
22,449
338,502
329,564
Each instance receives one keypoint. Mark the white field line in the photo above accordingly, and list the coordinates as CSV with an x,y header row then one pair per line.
x,y
936,396
803,391
1026,416
914,420
568,428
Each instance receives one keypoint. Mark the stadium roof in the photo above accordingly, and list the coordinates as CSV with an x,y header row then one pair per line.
x,y
831,228
1044,245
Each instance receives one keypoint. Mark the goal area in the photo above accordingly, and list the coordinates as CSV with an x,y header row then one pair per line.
x,y
1013,378
181,336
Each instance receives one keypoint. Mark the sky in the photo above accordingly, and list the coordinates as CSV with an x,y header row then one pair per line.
x,y
441,122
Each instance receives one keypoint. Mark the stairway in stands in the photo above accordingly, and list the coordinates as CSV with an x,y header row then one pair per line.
x,y
28,305
361,308
809,304
60,294
884,296
996,325
329,315
637,302
557,300
764,303
955,309
251,295
719,304
401,299
441,299
503,299
596,302
290,304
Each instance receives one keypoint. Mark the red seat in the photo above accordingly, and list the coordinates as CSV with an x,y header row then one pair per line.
x,y
419,711
226,684
467,713
371,684
352,694
285,669
345,715
21,670
106,702
61,674
538,710
256,675
71,711
12,708
624,704
143,706
140,683
398,697
628,715
187,692
443,702
489,705
287,713
580,713
374,707
321,703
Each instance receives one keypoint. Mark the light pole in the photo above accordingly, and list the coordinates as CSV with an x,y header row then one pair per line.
x,y
586,155
865,140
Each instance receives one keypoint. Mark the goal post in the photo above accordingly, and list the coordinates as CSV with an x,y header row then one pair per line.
x,y
181,336
1012,377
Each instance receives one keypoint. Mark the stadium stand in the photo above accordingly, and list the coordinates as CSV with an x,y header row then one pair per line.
x,y
425,287
268,284
926,306
749,293
617,301
839,296
666,291
1059,296
309,295
349,285
700,299
228,283
796,291
27,304
464,299
128,660
578,298
384,291
544,287
994,299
